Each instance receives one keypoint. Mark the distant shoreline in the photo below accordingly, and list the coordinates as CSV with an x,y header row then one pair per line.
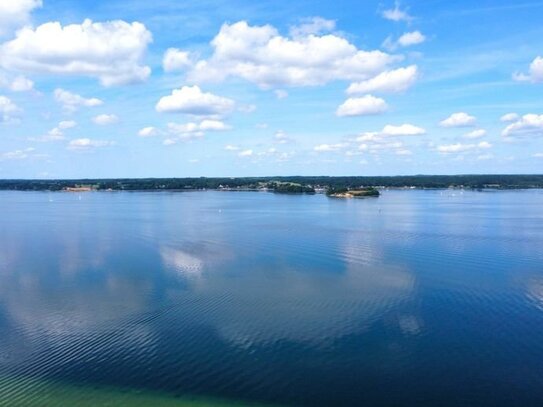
x,y
285,184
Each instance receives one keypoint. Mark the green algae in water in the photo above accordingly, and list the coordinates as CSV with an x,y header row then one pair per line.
x,y
32,392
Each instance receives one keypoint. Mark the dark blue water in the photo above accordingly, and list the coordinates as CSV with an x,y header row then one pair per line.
x,y
416,298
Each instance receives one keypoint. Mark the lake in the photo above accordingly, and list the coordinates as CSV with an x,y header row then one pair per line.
x,y
416,298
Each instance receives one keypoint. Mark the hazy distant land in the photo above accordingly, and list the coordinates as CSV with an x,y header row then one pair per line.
x,y
284,184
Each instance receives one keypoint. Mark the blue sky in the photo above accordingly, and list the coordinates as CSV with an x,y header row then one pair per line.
x,y
118,88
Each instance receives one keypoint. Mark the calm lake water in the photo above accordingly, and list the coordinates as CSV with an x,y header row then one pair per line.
x,y
416,298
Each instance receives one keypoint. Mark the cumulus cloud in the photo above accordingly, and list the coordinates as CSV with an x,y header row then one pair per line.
x,y
56,133
17,83
72,101
330,147
193,130
105,119
397,14
528,125
509,117
176,60
191,100
88,144
230,147
259,54
148,132
460,119
8,110
15,13
362,106
411,38
393,81
535,74
402,130
462,148
111,51
475,134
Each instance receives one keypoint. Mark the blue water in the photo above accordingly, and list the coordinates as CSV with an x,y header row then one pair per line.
x,y
416,298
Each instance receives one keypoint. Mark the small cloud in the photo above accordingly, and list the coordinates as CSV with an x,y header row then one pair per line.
x,y
8,110
21,84
402,130
280,93
411,38
394,81
475,134
281,137
245,153
105,119
538,155
396,14
230,147
176,60
72,101
191,100
528,125
535,74
462,148
247,108
81,144
312,26
148,132
17,154
329,147
362,106
460,119
509,117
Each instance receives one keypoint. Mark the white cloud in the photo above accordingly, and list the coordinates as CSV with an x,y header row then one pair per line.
x,y
230,147
396,14
20,84
411,38
72,101
17,154
535,74
8,110
312,26
191,100
105,119
148,132
15,13
362,106
462,148
259,54
281,94
475,134
282,138
245,153
193,130
527,125
329,147
176,60
460,119
111,52
509,117
395,81
402,130
67,124
88,144
56,133
538,155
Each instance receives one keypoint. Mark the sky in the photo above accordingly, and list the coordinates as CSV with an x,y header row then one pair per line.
x,y
170,88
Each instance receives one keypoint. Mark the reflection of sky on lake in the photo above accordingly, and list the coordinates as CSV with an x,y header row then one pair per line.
x,y
251,295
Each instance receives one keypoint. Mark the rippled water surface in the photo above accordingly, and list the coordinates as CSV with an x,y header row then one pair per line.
x,y
416,298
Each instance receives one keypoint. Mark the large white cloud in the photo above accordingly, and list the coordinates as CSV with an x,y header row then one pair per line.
x,y
191,100
527,125
111,51
261,55
8,109
14,13
459,119
362,106
393,81
72,101
535,74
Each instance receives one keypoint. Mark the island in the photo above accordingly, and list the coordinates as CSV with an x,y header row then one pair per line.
x,y
352,193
